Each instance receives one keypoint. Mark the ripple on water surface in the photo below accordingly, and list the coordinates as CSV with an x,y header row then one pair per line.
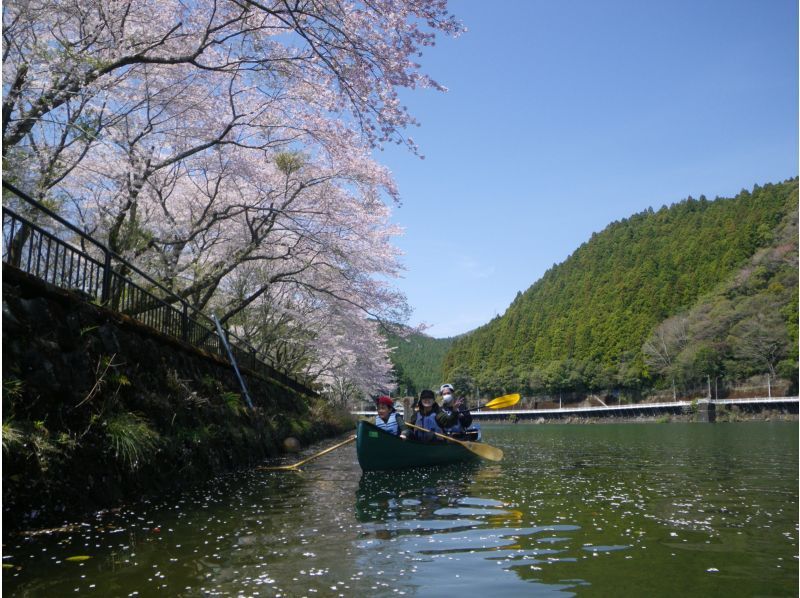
x,y
656,510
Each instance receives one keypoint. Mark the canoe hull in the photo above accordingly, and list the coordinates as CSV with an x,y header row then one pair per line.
x,y
380,451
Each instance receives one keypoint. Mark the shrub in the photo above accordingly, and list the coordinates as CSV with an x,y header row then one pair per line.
x,y
131,438
12,387
233,401
12,436
43,447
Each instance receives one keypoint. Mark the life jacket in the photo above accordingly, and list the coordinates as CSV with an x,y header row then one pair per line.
x,y
390,425
429,423
456,428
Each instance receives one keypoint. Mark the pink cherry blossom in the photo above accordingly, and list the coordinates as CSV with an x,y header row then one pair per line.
x,y
225,148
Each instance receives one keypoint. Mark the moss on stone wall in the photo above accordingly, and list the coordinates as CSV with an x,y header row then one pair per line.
x,y
99,410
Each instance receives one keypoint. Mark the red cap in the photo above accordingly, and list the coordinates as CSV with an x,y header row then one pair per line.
x,y
385,401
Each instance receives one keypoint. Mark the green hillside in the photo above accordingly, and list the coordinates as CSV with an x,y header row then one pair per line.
x,y
584,325
417,361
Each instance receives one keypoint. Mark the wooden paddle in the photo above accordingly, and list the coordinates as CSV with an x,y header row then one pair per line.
x,y
502,402
479,448
295,466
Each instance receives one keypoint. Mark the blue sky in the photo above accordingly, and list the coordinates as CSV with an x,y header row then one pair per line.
x,y
563,116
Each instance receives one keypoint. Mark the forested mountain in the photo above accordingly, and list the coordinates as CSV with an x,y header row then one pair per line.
x,y
670,298
417,361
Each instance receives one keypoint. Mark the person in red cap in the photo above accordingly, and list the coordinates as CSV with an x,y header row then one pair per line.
x,y
388,419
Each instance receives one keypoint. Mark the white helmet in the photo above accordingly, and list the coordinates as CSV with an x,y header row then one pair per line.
x,y
446,387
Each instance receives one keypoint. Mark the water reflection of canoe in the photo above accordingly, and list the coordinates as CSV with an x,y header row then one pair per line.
x,y
412,494
378,450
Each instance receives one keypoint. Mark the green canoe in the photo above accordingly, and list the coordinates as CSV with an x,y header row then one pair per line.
x,y
378,450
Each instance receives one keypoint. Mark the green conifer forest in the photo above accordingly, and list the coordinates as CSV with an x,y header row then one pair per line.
x,y
700,293
417,360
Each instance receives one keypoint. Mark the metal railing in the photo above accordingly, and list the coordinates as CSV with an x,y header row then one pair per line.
x,y
48,247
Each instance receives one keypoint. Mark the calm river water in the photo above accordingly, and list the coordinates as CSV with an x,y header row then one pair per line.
x,y
602,510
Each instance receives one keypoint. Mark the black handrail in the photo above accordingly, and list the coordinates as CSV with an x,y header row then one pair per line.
x,y
31,248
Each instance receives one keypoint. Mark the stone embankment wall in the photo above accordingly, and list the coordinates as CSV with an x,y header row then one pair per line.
x,y
99,410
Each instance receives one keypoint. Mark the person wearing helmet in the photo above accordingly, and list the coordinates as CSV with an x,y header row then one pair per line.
x,y
454,418
426,417
388,419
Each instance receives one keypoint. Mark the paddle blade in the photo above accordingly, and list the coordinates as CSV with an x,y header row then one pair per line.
x,y
502,402
486,451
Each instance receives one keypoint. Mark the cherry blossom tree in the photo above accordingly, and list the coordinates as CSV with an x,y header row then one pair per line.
x,y
67,66
225,145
